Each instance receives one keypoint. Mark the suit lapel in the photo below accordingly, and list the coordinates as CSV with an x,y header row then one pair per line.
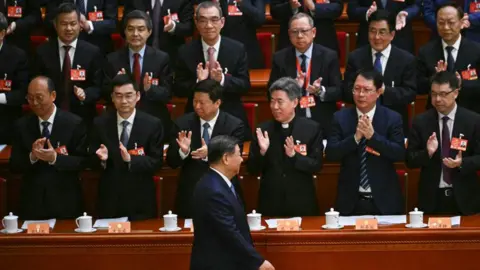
x,y
54,54
125,60
390,69
291,63
34,126
316,65
223,53
220,123
198,52
56,128
78,55
148,5
112,129
463,56
438,51
135,132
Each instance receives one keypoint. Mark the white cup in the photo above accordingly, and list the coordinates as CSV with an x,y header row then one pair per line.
x,y
10,223
254,220
416,218
84,223
332,218
170,221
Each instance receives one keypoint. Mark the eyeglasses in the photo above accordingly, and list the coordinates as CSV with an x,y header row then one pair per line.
x,y
31,99
380,33
204,21
296,32
441,94
358,91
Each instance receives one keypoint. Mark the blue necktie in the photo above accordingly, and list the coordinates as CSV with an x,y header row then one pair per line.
x,y
363,164
450,60
205,135
45,131
378,62
81,6
124,134
232,188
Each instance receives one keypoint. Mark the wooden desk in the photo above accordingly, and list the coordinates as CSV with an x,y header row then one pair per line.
x,y
391,247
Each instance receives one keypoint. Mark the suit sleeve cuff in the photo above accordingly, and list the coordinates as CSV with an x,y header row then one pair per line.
x,y
173,28
91,27
31,159
321,94
183,155
223,79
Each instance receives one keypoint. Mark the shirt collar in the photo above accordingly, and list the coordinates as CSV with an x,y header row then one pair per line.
x,y
211,122
370,114
308,52
451,114
229,183
455,45
141,52
51,118
73,44
385,52
216,46
129,119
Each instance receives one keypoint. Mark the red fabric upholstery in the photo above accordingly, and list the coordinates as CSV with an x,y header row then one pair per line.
x,y
36,41
266,41
100,108
340,105
343,40
171,108
118,41
251,110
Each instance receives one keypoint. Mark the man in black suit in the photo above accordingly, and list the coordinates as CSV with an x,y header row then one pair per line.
x,y
49,149
242,19
324,14
367,139
98,20
316,69
13,83
453,53
149,67
287,152
448,178
21,21
78,77
396,65
188,146
403,11
127,146
216,57
172,24
222,239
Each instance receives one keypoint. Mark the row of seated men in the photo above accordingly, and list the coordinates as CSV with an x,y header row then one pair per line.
x,y
52,146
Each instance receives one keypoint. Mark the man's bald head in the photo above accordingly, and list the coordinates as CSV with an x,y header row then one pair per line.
x,y
41,96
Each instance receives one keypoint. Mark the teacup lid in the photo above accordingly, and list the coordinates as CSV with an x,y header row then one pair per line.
x,y
10,216
170,214
85,215
254,214
415,211
331,212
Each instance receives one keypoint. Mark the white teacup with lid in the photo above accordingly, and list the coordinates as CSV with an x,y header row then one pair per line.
x,y
254,220
416,218
170,221
332,219
84,223
10,223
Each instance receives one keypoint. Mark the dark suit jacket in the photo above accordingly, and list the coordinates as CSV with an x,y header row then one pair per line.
x,y
168,42
388,140
14,63
31,16
102,30
324,20
192,169
357,10
468,54
89,58
127,190
153,101
325,65
399,72
287,187
50,191
243,28
465,181
232,56
221,239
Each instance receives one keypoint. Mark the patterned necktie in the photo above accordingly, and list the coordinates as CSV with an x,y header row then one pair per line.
x,y
45,132
450,60
447,172
205,135
363,164
81,6
67,66
378,62
136,68
303,68
124,135
211,58
156,23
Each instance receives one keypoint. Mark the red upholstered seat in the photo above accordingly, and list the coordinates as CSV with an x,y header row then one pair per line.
x,y
343,39
36,41
118,41
100,108
171,108
251,110
340,105
267,45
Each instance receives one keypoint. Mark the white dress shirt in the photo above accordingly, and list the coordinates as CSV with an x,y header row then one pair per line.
x,y
140,59
384,58
50,127
450,123
370,115
130,120
229,183
210,130
456,47
71,52
153,3
216,46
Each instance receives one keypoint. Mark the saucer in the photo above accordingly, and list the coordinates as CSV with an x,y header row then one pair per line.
x,y
5,231
424,225
82,231
332,228
163,229
258,228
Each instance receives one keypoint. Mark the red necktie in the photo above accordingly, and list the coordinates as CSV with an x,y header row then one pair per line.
x,y
136,68
67,66
211,58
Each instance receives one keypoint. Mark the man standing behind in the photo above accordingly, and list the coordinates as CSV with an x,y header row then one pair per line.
x,y
190,137
367,140
448,179
49,149
222,239
287,152
127,146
